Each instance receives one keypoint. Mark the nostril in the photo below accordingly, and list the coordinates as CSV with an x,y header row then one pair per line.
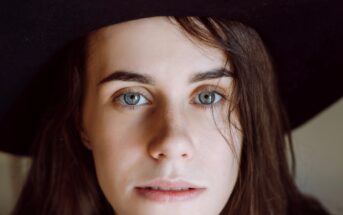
x,y
160,155
184,155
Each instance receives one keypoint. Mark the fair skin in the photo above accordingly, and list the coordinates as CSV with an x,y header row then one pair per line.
x,y
170,133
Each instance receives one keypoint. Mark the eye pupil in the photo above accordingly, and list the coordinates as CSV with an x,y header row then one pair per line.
x,y
206,97
131,98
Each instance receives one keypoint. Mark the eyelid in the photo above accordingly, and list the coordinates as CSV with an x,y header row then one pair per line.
x,y
216,89
210,88
138,90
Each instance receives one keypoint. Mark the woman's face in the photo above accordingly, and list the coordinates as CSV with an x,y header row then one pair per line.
x,y
147,119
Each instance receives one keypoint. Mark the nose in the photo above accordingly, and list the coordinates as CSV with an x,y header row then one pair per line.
x,y
171,140
173,147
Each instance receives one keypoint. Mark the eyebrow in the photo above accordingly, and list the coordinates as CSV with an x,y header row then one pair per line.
x,y
122,75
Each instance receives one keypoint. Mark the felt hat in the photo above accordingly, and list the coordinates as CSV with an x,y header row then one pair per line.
x,y
303,37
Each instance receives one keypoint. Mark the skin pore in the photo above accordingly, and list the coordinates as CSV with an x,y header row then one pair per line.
x,y
167,131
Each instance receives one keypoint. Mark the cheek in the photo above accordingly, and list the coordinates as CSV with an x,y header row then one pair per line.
x,y
112,131
117,148
221,163
220,153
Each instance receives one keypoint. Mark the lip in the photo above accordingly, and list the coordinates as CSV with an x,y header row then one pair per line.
x,y
163,196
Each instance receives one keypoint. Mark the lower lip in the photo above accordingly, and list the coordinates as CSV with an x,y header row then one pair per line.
x,y
169,195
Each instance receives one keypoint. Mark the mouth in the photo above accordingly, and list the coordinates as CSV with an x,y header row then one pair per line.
x,y
169,191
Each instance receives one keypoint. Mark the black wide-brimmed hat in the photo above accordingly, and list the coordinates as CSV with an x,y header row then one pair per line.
x,y
304,38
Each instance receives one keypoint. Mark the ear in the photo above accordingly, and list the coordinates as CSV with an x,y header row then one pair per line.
x,y
85,139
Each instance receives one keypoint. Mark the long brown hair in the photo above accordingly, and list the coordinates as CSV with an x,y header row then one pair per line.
x,y
62,178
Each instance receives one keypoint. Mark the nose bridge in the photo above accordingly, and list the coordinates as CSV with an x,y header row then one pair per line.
x,y
171,139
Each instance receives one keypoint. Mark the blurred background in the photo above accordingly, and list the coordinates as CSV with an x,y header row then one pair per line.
x,y
318,148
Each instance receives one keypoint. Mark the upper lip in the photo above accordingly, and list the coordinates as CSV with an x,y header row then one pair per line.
x,y
170,184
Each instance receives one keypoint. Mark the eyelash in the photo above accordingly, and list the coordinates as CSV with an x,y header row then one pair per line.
x,y
116,98
212,89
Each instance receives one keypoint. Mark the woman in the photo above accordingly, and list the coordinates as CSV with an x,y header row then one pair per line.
x,y
165,115
132,111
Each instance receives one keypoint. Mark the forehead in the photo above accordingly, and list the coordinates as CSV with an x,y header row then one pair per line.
x,y
156,46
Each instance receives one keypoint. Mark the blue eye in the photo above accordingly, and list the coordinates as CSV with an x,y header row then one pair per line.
x,y
132,98
208,98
